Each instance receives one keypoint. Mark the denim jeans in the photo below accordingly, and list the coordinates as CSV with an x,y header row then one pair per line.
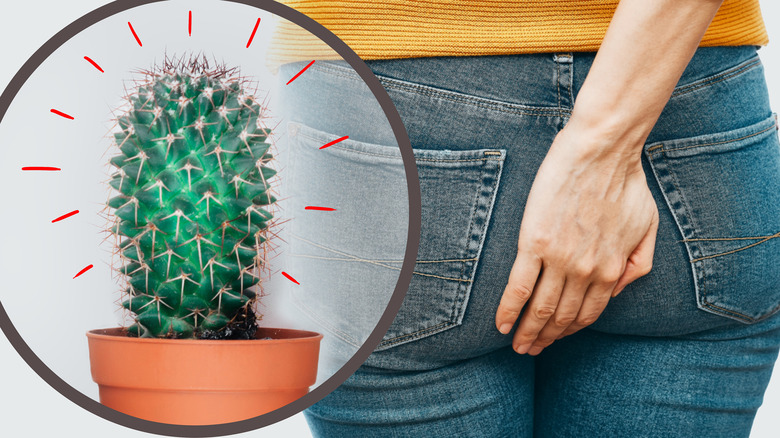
x,y
686,350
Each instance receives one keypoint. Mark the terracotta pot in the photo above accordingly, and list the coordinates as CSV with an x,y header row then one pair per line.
x,y
198,382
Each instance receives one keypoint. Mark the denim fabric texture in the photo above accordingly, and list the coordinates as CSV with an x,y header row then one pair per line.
x,y
686,350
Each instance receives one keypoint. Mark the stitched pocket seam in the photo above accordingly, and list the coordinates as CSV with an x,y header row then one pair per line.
x,y
485,157
732,72
453,96
463,291
485,166
667,179
660,147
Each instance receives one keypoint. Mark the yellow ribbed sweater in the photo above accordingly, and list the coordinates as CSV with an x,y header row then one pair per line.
x,y
415,28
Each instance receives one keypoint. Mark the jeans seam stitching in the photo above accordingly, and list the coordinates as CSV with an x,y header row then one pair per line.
x,y
715,143
571,81
687,207
729,311
558,82
487,200
428,160
704,302
719,308
402,338
742,316
735,71
461,289
703,271
478,102
454,96
692,227
456,305
701,300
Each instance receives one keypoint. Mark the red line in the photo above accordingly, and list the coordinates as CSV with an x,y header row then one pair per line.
x,y
299,73
94,63
134,34
65,216
189,27
311,207
327,145
84,270
290,278
41,168
60,113
253,33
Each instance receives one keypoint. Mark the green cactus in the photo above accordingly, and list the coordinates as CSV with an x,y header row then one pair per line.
x,y
192,176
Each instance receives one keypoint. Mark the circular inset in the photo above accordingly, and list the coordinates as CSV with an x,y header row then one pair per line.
x,y
27,353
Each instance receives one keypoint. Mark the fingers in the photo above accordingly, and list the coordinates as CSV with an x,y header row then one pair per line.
x,y
522,279
640,262
568,308
586,294
595,301
562,300
541,307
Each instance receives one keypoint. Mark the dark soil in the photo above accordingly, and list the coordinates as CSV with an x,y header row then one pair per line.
x,y
242,327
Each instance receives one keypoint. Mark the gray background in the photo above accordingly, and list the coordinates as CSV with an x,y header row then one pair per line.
x,y
29,406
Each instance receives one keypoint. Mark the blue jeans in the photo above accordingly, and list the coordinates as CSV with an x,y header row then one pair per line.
x,y
686,350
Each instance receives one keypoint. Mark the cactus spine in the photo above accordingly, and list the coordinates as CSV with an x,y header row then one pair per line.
x,y
191,215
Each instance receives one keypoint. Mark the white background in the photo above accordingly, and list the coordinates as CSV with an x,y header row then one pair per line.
x,y
28,406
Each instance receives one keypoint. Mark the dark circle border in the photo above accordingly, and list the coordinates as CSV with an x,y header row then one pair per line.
x,y
405,277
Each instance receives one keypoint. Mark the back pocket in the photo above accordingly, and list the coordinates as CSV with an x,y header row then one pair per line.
x,y
351,257
724,192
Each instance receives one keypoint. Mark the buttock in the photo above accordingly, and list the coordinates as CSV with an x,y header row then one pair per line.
x,y
712,164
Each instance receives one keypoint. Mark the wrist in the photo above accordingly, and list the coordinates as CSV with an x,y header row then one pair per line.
x,y
610,135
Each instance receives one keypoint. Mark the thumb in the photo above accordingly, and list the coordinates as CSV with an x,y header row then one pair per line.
x,y
640,262
522,279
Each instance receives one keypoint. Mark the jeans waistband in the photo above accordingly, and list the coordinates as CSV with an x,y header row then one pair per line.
x,y
546,79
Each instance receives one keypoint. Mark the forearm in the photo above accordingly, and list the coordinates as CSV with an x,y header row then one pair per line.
x,y
644,53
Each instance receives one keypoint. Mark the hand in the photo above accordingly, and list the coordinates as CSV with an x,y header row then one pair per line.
x,y
588,230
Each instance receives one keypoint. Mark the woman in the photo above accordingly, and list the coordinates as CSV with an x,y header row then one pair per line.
x,y
641,297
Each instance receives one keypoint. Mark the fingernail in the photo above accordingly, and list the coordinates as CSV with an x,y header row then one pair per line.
x,y
505,328
535,350
522,349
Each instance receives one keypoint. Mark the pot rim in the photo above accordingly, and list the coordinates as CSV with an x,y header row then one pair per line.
x,y
119,334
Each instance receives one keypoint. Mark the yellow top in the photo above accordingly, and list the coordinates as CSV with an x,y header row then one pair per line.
x,y
415,28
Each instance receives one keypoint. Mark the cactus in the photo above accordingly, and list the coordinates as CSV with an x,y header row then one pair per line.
x,y
191,216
